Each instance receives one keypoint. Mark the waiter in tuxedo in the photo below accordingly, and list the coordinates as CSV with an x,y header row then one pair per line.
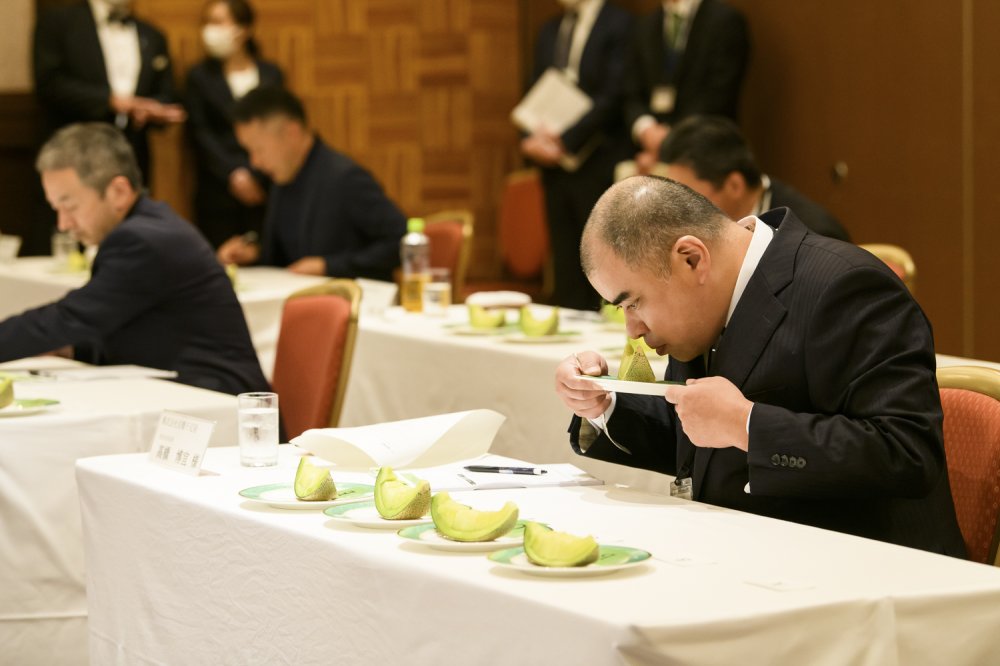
x,y
587,43
688,57
808,370
94,61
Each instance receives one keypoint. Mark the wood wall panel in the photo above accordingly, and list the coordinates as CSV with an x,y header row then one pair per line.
x,y
418,91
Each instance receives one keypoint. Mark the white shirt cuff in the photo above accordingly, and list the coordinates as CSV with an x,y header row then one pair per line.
x,y
640,125
601,422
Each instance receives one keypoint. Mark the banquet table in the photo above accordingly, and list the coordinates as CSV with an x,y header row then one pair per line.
x,y
43,610
33,281
184,570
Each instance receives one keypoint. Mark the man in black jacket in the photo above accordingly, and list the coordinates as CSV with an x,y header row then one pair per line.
x,y
809,389
326,215
156,297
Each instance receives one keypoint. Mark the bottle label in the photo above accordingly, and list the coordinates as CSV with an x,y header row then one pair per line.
x,y
411,295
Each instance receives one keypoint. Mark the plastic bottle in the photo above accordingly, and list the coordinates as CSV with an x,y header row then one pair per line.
x,y
415,254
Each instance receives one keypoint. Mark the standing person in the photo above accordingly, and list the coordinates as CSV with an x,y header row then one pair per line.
x,y
156,297
94,61
229,195
587,43
808,390
326,215
688,57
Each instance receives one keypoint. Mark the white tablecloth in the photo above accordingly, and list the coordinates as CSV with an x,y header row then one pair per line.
x,y
42,595
262,290
182,571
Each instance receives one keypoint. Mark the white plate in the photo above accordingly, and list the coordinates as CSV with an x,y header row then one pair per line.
x,y
364,514
611,559
428,535
556,338
28,406
498,299
621,386
480,332
282,496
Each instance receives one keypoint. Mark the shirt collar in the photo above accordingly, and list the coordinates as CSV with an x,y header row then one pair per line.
x,y
684,8
588,8
762,235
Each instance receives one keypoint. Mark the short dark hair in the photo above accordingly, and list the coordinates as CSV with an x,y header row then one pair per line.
x,y
713,147
268,102
641,218
98,152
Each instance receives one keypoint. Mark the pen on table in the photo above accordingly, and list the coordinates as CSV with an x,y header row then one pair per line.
x,y
506,470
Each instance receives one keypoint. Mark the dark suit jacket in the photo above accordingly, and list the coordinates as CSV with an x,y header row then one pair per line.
x,y
209,103
814,216
157,297
71,81
710,71
602,66
334,209
845,431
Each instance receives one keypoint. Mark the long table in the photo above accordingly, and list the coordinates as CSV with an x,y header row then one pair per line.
x,y
43,608
33,281
183,570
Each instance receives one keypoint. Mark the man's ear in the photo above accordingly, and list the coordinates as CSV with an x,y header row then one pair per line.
x,y
120,194
690,253
735,185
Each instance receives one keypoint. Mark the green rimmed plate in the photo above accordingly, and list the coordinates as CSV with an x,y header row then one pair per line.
x,y
28,406
364,514
428,536
282,496
611,559
555,338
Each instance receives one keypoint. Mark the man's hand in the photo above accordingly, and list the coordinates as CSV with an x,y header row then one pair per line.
x,y
543,148
712,411
582,397
652,138
309,266
237,251
245,187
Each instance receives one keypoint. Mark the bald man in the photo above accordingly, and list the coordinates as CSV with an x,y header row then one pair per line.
x,y
808,369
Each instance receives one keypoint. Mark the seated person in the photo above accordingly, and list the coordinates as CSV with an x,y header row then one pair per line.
x,y
809,389
326,215
157,297
710,155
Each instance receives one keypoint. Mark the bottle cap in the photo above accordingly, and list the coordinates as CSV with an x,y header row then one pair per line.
x,y
415,225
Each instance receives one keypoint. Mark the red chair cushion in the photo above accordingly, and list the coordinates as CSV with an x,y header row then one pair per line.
x,y
524,236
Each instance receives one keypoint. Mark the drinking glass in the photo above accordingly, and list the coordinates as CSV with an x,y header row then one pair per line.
x,y
437,292
258,420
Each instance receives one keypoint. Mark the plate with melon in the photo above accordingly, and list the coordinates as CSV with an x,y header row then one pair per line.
x,y
312,489
397,502
11,406
461,528
547,552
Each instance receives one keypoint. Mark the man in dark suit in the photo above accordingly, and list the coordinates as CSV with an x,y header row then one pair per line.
x,y
588,45
326,215
688,57
710,155
810,392
156,297
94,62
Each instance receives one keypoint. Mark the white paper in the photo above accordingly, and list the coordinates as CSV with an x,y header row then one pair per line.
x,y
423,442
88,372
455,477
180,442
554,102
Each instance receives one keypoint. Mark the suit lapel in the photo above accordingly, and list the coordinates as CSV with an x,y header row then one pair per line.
x,y
90,45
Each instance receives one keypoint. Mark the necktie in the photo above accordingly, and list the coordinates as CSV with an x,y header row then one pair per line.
x,y
564,41
674,23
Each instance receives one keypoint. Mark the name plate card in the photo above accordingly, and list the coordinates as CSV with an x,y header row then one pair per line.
x,y
180,442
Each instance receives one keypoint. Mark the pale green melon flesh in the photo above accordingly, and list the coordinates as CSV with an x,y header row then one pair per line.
x,y
6,392
313,484
539,327
548,548
396,500
635,366
459,522
480,317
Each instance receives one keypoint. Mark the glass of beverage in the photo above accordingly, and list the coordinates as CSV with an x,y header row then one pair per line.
x,y
437,292
63,246
9,247
258,420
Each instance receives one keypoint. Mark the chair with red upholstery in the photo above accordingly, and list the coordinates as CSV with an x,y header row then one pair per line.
x,y
898,259
313,357
523,237
970,397
450,235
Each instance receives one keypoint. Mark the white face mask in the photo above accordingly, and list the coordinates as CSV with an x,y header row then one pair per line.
x,y
220,40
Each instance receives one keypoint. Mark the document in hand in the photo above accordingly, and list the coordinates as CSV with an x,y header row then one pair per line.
x,y
554,102
423,442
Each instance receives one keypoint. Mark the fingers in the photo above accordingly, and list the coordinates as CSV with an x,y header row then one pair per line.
x,y
579,395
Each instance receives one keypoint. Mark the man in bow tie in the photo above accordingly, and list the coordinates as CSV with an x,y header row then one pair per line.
x,y
807,369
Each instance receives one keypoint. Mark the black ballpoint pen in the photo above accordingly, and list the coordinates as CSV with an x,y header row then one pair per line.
x,y
506,470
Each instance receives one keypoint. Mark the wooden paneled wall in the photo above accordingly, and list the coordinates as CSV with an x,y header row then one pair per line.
x,y
418,91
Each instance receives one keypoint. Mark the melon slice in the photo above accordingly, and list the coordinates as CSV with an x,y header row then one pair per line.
x,y
6,392
548,548
314,484
536,327
480,317
635,366
396,500
459,522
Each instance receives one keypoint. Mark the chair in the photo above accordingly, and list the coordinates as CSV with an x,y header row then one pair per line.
x,y
450,234
970,397
523,237
898,259
314,352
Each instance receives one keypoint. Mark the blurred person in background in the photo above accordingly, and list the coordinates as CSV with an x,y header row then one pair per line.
x,y
711,156
229,194
588,44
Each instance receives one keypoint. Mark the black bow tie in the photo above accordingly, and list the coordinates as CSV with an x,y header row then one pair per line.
x,y
120,16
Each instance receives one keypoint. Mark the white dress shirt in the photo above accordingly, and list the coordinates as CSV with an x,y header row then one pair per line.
x,y
243,81
120,45
586,16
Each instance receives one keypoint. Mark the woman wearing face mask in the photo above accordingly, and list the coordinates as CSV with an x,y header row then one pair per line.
x,y
229,196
